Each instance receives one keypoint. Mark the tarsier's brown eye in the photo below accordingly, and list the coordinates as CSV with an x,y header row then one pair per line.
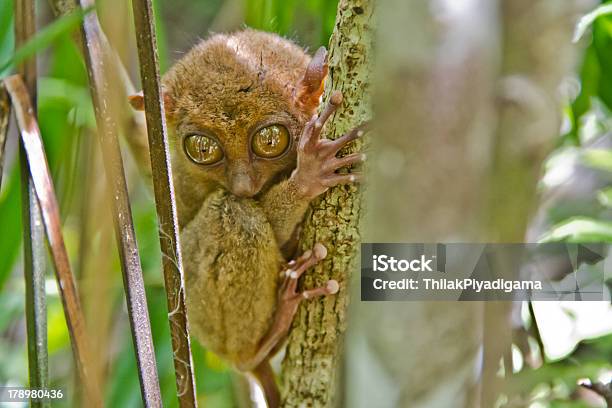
x,y
271,141
203,149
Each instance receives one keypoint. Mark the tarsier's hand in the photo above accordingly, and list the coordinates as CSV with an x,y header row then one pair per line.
x,y
316,158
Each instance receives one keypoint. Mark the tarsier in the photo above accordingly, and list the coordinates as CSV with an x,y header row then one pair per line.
x,y
248,159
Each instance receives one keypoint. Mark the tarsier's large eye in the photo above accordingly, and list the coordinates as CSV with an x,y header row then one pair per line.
x,y
203,149
271,141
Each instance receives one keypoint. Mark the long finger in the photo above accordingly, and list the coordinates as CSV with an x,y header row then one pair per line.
x,y
348,137
348,160
335,100
330,288
337,179
307,137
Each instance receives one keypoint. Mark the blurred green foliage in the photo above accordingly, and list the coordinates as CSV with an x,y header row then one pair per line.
x,y
595,80
588,138
313,19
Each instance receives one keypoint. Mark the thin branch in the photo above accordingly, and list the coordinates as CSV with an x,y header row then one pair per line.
x,y
34,257
164,200
43,185
131,122
100,68
5,114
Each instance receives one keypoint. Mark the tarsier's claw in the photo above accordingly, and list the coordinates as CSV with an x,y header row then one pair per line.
x,y
336,98
319,250
333,286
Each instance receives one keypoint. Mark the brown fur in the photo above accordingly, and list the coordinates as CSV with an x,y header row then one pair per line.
x,y
229,85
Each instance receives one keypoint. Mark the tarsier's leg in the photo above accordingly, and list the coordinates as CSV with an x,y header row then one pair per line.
x,y
265,376
289,299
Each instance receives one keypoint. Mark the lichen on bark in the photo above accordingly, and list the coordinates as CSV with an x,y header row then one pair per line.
x,y
314,348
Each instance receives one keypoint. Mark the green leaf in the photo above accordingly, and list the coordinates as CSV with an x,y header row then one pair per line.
x,y
580,229
7,31
588,19
598,158
605,197
10,220
602,42
46,37
590,73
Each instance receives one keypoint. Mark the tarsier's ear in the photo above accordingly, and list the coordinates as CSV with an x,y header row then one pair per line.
x,y
310,88
137,101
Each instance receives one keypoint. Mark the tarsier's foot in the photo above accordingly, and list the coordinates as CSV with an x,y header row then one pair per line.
x,y
289,299
316,158
296,268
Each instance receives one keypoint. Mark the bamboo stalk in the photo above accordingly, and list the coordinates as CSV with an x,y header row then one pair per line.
x,y
43,186
131,122
33,231
94,266
99,69
5,114
164,201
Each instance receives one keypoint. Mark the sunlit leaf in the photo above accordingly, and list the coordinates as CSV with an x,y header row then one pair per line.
x,y
46,36
605,197
587,20
580,229
57,331
7,31
598,158
10,220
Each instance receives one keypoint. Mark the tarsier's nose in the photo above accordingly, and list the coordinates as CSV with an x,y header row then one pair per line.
x,y
242,185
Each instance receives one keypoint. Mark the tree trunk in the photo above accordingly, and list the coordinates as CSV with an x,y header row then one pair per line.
x,y
528,121
314,349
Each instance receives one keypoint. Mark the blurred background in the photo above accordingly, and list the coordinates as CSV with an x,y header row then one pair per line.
x,y
575,185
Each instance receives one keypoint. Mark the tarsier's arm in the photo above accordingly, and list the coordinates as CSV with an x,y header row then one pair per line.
x,y
286,202
284,207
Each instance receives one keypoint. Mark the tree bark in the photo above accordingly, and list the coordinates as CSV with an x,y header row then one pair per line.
x,y
314,348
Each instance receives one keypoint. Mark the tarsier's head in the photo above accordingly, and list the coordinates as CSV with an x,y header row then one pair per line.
x,y
235,106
